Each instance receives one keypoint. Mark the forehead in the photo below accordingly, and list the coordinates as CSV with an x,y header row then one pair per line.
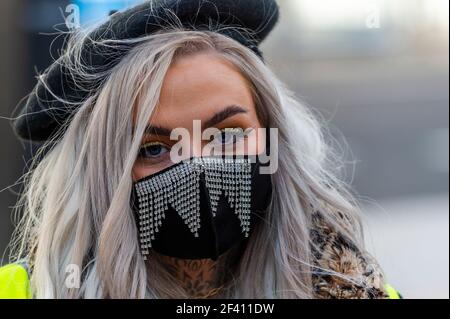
x,y
197,87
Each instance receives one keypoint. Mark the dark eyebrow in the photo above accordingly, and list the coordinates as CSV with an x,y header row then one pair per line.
x,y
157,130
219,117
229,111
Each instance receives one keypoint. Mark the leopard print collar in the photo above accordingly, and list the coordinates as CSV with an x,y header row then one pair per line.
x,y
342,271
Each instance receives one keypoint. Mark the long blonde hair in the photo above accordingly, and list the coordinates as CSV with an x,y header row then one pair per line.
x,y
76,202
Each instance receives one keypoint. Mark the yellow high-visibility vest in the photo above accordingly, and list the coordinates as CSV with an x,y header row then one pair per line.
x,y
392,293
15,283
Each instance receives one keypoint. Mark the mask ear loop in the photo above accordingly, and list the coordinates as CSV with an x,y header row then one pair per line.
x,y
267,131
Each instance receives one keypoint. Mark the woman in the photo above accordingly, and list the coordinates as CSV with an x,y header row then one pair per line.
x,y
109,213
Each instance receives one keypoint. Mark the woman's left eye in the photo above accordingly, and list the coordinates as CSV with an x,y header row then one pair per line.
x,y
229,136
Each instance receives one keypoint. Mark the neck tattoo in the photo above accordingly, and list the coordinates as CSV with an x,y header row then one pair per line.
x,y
200,278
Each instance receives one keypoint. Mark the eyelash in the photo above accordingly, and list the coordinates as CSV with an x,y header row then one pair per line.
x,y
146,147
237,133
236,130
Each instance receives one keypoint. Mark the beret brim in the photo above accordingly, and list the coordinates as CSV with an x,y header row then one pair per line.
x,y
43,115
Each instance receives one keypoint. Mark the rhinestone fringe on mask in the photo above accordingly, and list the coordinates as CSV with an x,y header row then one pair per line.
x,y
180,188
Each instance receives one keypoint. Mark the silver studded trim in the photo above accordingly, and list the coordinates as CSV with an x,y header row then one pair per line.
x,y
180,188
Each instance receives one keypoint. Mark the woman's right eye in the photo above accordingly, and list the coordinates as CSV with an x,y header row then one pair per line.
x,y
152,150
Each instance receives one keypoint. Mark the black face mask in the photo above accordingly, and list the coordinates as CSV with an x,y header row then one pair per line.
x,y
202,207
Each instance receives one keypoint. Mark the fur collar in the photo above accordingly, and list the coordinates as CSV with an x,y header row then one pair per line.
x,y
342,270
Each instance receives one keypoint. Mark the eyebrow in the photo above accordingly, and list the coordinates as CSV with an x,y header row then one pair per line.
x,y
217,118
157,130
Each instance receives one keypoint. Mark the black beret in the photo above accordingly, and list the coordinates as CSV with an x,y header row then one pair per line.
x,y
247,21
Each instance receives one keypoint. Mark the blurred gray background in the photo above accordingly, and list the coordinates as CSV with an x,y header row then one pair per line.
x,y
376,70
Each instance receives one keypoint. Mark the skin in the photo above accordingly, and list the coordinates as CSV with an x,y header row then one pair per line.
x,y
197,277
197,87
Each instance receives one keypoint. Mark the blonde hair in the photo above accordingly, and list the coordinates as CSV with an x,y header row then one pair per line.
x,y
76,203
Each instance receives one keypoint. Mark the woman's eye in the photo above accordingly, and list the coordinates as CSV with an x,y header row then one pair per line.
x,y
229,136
153,150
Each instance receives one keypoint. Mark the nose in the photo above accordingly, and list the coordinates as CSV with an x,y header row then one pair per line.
x,y
196,149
